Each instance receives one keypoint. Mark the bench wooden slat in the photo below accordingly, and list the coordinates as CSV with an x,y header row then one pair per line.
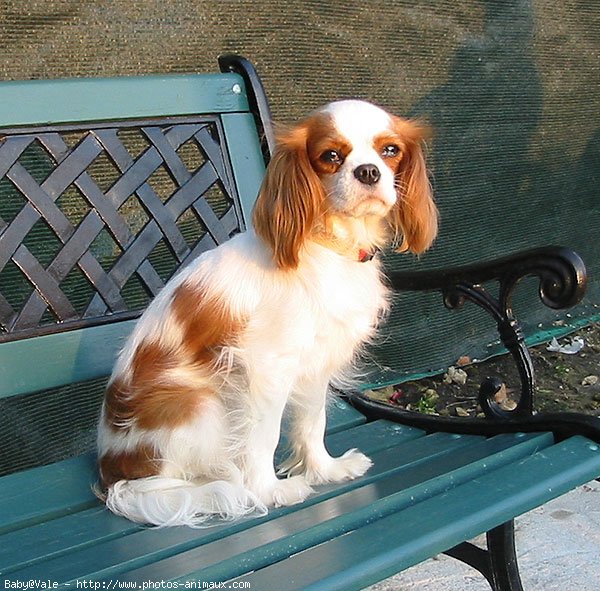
x,y
341,416
306,527
47,492
39,102
19,548
73,356
371,553
66,486
45,540
246,159
396,468
113,558
59,536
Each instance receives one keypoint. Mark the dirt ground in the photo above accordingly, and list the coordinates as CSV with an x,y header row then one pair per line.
x,y
564,382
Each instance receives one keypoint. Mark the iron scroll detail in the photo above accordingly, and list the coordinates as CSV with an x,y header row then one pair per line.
x,y
562,281
512,338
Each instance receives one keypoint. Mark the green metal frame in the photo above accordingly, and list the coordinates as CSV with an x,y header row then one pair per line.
x,y
246,159
73,100
88,353
69,357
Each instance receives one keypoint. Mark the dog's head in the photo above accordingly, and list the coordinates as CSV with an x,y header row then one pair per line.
x,y
349,165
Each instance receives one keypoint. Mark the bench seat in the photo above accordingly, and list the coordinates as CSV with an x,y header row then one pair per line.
x,y
425,494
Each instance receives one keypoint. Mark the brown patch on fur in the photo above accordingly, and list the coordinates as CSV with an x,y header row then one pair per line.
x,y
154,396
291,198
415,215
390,139
140,463
167,385
160,397
118,410
323,137
207,324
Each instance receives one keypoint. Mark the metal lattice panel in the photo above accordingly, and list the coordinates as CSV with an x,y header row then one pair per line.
x,y
93,221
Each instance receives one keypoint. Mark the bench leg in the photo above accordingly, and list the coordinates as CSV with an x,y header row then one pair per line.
x,y
498,564
503,558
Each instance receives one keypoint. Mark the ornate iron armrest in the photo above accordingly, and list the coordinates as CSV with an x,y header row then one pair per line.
x,y
562,277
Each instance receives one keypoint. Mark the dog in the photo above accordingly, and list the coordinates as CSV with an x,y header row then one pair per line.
x,y
265,322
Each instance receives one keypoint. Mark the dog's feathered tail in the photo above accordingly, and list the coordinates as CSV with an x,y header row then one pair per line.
x,y
164,502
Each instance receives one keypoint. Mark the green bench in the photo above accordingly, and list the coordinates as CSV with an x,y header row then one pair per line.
x,y
107,187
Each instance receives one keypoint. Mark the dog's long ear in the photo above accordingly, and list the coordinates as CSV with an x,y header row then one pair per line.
x,y
415,215
289,200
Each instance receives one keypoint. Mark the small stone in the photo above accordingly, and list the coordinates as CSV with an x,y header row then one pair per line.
x,y
455,376
461,412
431,395
501,395
464,360
590,380
508,404
387,391
381,394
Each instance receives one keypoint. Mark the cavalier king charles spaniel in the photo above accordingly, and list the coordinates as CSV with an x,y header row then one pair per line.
x,y
264,324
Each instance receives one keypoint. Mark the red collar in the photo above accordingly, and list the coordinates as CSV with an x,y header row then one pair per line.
x,y
367,255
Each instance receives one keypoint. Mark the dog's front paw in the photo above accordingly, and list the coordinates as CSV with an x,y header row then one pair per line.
x,y
287,491
347,467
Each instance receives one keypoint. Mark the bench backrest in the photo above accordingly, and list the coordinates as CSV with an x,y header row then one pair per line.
x,y
107,188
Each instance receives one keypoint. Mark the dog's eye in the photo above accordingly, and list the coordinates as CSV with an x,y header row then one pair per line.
x,y
331,157
390,151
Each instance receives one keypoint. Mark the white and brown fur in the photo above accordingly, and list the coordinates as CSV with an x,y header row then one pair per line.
x,y
263,323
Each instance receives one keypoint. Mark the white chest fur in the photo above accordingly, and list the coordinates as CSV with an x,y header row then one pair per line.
x,y
315,319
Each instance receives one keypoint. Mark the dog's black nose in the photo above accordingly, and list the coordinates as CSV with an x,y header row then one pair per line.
x,y
367,174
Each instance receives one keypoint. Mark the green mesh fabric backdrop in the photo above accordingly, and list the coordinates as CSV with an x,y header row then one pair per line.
x,y
511,88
